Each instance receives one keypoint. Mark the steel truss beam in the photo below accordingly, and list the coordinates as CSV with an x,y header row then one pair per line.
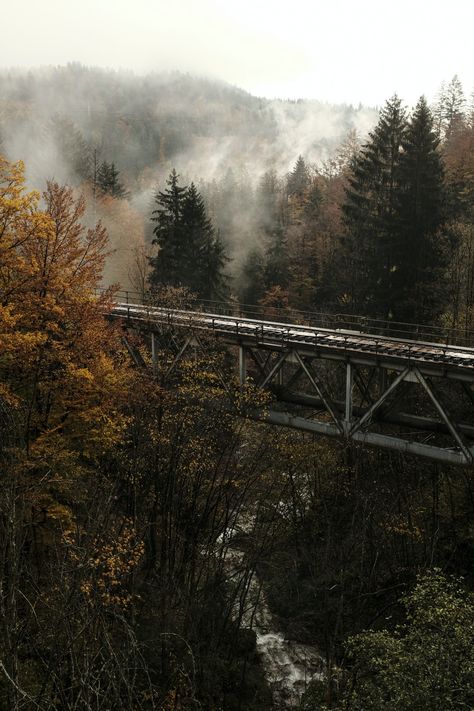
x,y
370,395
378,398
195,342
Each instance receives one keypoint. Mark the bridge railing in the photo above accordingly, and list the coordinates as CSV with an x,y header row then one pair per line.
x,y
333,321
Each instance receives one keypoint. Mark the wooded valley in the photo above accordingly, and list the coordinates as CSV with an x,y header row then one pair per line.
x,y
142,523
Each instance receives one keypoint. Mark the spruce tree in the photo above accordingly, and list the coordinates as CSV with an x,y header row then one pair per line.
x,y
214,284
392,257
168,234
298,179
268,216
203,255
277,261
417,278
72,146
191,253
370,215
107,181
253,278
453,106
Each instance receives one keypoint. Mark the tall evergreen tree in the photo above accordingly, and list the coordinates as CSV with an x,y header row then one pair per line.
x,y
417,287
453,105
277,261
370,215
168,234
204,262
108,182
191,253
72,146
268,215
438,109
253,278
393,211
298,179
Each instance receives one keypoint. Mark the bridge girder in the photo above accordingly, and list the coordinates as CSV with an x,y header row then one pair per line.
x,y
352,420
362,392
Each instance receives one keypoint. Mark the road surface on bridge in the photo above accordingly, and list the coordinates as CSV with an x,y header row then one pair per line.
x,y
337,343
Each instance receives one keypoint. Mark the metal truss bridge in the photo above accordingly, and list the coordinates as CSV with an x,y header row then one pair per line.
x,y
391,391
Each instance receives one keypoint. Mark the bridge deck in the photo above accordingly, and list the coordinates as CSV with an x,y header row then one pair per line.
x,y
358,406
361,348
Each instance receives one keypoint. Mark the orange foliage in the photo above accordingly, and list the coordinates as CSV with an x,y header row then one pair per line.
x,y
57,351
125,229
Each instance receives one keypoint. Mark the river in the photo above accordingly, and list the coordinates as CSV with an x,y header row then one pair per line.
x,y
289,665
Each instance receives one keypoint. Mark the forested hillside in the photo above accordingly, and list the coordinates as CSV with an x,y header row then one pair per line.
x,y
159,550
69,123
58,116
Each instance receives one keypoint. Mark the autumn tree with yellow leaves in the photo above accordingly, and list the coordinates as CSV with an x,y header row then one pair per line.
x,y
115,490
60,393
51,321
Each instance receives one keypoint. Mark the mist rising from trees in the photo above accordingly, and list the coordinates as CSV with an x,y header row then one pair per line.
x,y
125,489
67,122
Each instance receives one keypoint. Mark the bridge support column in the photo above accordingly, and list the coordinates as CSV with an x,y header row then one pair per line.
x,y
154,358
347,424
280,376
242,365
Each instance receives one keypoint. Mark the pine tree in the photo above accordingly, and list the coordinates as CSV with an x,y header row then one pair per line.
x,y
72,146
417,277
169,234
370,216
107,181
253,278
453,106
204,257
438,109
214,284
298,179
267,202
191,253
393,255
277,261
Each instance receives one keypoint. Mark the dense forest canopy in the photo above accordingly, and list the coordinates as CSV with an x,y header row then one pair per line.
x,y
308,209
143,524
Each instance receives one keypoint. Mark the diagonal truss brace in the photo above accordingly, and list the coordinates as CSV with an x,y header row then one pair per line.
x,y
196,342
260,362
134,353
367,416
444,415
316,385
190,341
276,367
364,388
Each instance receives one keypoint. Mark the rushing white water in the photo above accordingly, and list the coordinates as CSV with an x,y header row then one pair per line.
x,y
289,665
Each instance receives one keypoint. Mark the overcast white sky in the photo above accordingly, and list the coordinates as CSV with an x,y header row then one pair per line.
x,y
339,50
